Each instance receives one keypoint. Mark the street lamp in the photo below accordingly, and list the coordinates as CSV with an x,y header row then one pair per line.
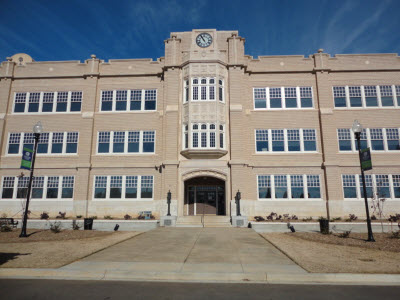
x,y
37,130
357,129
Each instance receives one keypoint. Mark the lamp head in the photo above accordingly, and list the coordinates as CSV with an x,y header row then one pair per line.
x,y
357,127
38,128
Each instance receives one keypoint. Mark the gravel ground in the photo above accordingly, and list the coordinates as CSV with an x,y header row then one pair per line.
x,y
319,253
53,250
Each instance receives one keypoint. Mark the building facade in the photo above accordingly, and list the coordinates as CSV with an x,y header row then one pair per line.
x,y
202,122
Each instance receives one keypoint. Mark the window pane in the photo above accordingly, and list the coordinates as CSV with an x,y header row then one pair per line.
x,y
371,101
355,102
280,186
52,193
294,145
262,146
377,145
72,148
61,106
43,148
350,192
345,145
37,193
67,193
147,187
13,148
100,193
310,146
260,103
56,148
291,102
340,101
104,148
393,145
57,142
278,146
131,193
76,106
276,103
48,99
387,101
306,102
314,192
115,192
7,193
19,107
264,193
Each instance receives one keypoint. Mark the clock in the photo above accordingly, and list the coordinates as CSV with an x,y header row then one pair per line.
x,y
203,40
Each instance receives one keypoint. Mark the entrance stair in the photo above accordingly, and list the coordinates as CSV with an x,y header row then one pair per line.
x,y
203,221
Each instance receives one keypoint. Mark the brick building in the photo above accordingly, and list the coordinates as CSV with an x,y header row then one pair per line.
x,y
203,122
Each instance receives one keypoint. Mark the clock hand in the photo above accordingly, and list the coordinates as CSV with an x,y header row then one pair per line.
x,y
202,38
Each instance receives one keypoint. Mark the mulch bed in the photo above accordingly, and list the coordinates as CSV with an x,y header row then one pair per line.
x,y
383,241
41,235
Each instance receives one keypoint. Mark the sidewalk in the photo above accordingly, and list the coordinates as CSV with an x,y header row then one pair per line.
x,y
195,254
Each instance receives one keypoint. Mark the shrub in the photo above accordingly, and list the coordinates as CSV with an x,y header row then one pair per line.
x,y
75,226
259,219
394,218
351,218
79,216
5,228
61,215
271,216
307,219
93,217
127,217
395,235
108,217
345,234
322,219
55,227
373,217
44,215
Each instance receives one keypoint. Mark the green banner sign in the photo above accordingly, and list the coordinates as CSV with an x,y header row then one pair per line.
x,y
26,161
366,163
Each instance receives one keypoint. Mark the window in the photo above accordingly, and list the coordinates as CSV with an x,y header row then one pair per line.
x,y
264,187
297,186
195,136
376,139
47,186
106,100
368,186
290,140
121,100
76,101
310,141
116,142
117,100
205,136
392,135
369,96
306,97
349,186
339,95
290,97
48,100
205,89
123,187
61,142
221,136
221,90
136,100
386,95
185,136
280,186
34,100
62,101
344,137
186,91
275,98
363,140
293,139
313,186
278,139
396,186
150,98
260,98
382,186
355,96
19,102
195,89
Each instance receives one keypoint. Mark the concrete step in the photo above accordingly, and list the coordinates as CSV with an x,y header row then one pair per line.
x,y
207,221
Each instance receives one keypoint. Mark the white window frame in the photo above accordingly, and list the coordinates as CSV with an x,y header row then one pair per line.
x,y
374,186
126,143
128,101
45,187
285,141
50,142
283,98
54,111
369,140
395,96
208,136
123,191
289,188
207,85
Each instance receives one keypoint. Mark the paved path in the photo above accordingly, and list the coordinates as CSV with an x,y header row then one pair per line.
x,y
234,251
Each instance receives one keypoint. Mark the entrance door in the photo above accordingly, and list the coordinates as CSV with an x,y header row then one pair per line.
x,y
206,200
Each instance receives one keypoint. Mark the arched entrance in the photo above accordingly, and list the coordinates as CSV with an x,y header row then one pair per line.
x,y
204,195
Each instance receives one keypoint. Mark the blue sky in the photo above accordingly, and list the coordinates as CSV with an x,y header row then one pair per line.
x,y
114,29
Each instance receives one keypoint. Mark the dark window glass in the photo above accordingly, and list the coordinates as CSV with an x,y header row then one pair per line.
x,y
146,192
67,192
260,103
72,147
262,146
136,105
291,102
13,148
118,147
294,145
310,146
393,145
371,101
106,105
148,146
377,144
133,147
42,148
120,105
345,145
76,106
340,101
7,193
280,192
33,107
115,192
47,107
149,105
397,191
52,193
363,144
276,102
37,193
350,192
297,192
19,107
22,192
387,101
104,147
355,102
383,191
61,106
278,146
370,193
131,193
264,192
56,148
306,102
100,192
314,192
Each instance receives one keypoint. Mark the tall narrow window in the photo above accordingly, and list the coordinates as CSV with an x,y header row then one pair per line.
x,y
386,95
100,185
195,136
186,96
185,137
22,189
121,99
203,135
8,187
147,187
76,101
34,99
57,142
280,186
349,186
203,89
136,100
221,136
355,96
131,187
396,186
221,90
363,140
382,186
150,98
211,89
310,140
306,97
262,140
368,185
13,143
293,139
72,142
195,89
313,186
29,140
116,187
278,140
43,144
106,100
260,98
133,141
297,186
119,141
20,101
290,97
376,139
264,187
148,141
52,187
344,136
104,142
339,94
62,101
37,187
67,187
392,135
48,100
371,97
275,98
212,136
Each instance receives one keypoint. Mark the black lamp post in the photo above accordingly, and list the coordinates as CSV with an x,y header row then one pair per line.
x,y
237,198
357,129
169,202
37,130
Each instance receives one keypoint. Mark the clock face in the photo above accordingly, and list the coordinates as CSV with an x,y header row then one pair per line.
x,y
203,40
